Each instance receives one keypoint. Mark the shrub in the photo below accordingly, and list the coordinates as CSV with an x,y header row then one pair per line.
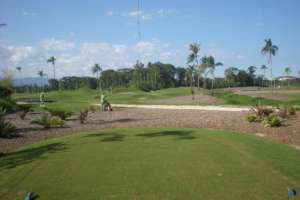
x,y
262,111
24,110
63,114
56,122
48,121
7,129
5,91
8,104
292,110
93,108
252,118
146,87
83,114
272,121
284,112
22,114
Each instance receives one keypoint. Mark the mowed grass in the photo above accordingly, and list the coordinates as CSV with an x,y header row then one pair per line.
x,y
230,98
280,97
152,164
74,100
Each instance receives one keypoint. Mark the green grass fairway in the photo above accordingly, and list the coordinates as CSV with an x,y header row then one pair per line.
x,y
152,164
73,100
243,100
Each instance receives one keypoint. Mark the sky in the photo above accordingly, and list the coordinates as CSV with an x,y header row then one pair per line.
x,y
81,33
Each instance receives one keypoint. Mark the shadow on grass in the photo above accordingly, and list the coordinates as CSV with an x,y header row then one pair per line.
x,y
181,135
107,137
21,157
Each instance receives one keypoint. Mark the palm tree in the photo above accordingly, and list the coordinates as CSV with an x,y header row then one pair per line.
x,y
41,74
96,69
19,69
52,60
210,63
270,50
263,68
287,72
193,61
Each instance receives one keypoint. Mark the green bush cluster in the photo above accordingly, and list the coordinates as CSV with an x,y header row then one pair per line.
x,y
46,120
83,114
7,130
272,121
271,117
63,114
23,110
93,108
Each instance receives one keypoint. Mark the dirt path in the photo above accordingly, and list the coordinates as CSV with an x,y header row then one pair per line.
x,y
151,118
185,107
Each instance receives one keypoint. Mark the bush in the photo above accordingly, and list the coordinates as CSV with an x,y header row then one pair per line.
x,y
63,114
5,91
83,114
93,108
8,104
48,121
24,110
285,112
56,122
22,114
7,130
262,111
292,110
252,118
272,121
146,87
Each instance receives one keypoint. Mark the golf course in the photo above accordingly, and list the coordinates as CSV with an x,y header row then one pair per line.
x,y
149,100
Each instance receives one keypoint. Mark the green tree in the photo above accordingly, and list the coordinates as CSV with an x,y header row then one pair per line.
x,y
19,69
97,69
270,50
41,74
52,60
210,63
251,71
287,72
263,68
231,75
194,63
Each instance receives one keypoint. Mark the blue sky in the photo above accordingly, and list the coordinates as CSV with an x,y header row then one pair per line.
x,y
81,33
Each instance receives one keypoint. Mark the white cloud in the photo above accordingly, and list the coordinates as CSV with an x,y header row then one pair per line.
x,y
144,15
111,13
28,13
54,44
134,13
77,59
166,12
71,34
19,53
131,14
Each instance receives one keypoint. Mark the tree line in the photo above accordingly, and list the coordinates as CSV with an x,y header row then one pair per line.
x,y
199,72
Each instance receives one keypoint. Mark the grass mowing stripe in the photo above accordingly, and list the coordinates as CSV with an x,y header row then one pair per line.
x,y
156,164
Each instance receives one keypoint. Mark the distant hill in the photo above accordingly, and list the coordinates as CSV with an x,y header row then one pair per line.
x,y
30,81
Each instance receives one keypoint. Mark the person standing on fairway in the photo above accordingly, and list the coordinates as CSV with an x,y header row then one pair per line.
x,y
42,99
103,101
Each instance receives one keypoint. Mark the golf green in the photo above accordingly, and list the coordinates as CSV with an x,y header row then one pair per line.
x,y
152,164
